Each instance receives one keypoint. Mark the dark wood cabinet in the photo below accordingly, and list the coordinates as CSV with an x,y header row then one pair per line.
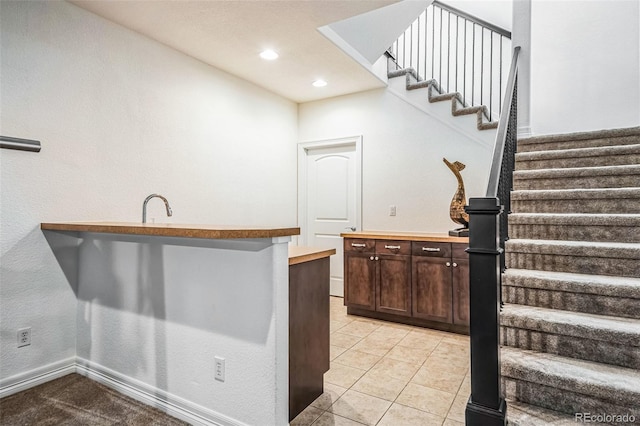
x,y
460,291
393,277
360,274
432,288
417,282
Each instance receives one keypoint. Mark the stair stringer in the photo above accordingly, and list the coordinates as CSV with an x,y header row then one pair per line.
x,y
440,111
435,93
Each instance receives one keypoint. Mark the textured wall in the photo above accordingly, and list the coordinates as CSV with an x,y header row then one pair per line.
x,y
119,117
402,157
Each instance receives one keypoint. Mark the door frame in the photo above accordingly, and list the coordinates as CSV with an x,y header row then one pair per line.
x,y
303,150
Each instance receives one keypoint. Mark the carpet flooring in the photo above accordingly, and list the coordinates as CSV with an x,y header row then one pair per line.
x,y
75,400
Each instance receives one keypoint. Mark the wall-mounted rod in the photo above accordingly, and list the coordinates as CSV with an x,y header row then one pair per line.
x,y
20,144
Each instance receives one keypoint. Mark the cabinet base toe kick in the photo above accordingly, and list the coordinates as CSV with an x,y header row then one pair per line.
x,y
418,322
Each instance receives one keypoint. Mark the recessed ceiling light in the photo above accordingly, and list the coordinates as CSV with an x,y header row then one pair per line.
x,y
269,55
319,83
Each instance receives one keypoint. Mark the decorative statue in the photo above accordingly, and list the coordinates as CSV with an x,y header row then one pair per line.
x,y
456,210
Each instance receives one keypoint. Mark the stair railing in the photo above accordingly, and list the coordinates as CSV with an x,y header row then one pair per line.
x,y
465,54
488,232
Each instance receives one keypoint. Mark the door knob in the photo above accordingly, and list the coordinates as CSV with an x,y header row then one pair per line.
x,y
371,258
448,263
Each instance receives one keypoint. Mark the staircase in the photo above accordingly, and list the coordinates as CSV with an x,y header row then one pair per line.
x,y
436,94
570,325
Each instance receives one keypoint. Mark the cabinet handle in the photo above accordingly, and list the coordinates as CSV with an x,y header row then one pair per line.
x,y
430,249
371,258
455,265
377,258
358,245
392,247
448,264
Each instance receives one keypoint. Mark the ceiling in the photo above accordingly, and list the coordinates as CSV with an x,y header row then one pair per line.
x,y
230,34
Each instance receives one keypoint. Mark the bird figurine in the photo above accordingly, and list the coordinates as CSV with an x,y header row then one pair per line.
x,y
456,210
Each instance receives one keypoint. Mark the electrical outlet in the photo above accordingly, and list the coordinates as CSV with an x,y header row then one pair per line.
x,y
24,337
392,210
219,365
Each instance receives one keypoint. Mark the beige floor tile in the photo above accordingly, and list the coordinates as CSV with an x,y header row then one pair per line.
x,y
380,385
403,353
399,370
359,328
307,417
335,325
343,340
400,415
420,340
449,422
388,331
457,339
452,350
330,419
438,378
360,407
329,396
375,345
357,359
465,388
335,351
450,364
456,412
427,399
343,375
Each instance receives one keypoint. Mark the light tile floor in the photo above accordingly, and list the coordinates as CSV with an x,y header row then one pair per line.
x,y
389,374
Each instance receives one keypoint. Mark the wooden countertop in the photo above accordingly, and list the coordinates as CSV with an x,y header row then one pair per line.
x,y
301,254
172,230
406,236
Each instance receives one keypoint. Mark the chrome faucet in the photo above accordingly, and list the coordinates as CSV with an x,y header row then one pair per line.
x,y
146,200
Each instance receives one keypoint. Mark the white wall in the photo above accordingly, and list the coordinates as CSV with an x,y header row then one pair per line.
x,y
119,117
402,158
497,12
585,65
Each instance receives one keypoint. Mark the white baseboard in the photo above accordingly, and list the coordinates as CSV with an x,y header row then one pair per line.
x,y
37,376
173,405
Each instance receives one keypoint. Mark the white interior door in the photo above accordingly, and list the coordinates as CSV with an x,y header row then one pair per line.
x,y
330,184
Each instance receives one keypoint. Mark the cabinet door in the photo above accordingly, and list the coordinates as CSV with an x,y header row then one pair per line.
x,y
431,279
360,280
394,284
461,291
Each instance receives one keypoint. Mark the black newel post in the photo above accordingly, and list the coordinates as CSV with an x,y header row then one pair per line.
x,y
486,407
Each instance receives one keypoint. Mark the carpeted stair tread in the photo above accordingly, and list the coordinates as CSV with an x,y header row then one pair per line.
x,y
560,194
579,157
623,331
618,385
578,177
579,219
589,200
575,227
576,292
520,414
600,258
603,285
575,248
580,140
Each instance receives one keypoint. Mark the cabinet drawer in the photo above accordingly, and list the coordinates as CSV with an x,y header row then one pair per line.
x,y
357,245
425,248
393,247
459,251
